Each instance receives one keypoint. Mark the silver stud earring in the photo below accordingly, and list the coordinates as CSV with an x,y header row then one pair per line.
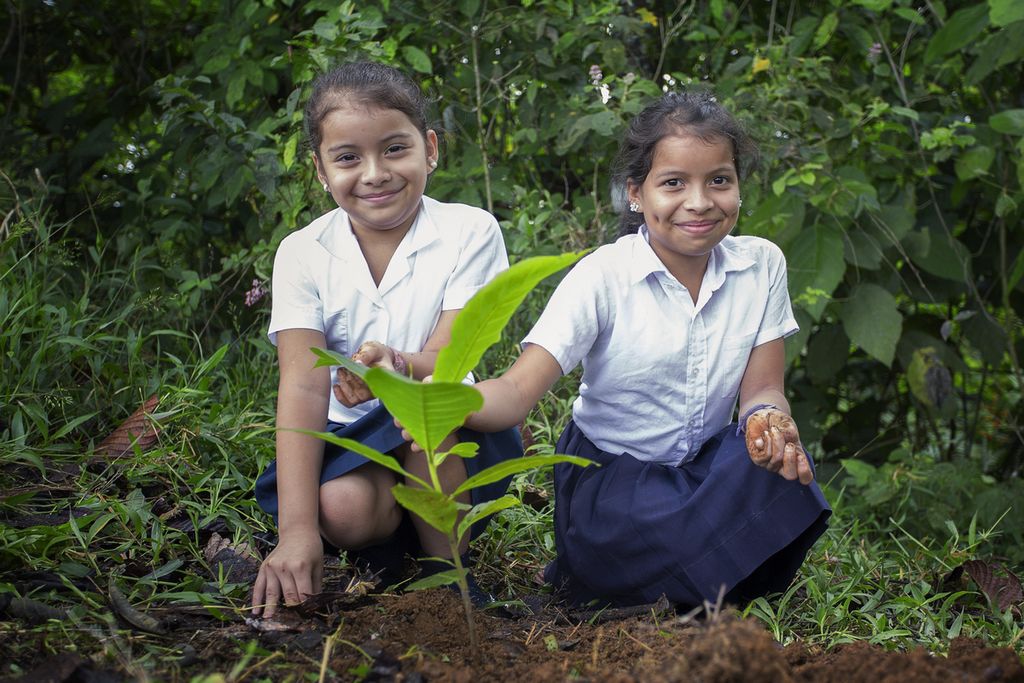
x,y
326,189
634,207
433,163
739,204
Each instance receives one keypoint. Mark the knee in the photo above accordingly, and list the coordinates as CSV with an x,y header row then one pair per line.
x,y
354,512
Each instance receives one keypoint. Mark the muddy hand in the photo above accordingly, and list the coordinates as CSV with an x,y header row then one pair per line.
x,y
349,388
773,442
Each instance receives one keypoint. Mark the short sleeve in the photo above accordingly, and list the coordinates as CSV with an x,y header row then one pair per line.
x,y
295,296
482,257
572,320
778,321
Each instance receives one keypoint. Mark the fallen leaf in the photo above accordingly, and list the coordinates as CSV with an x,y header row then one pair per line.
x,y
1002,591
139,429
235,562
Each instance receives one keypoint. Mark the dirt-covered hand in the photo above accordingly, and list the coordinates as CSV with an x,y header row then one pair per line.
x,y
349,388
290,574
773,442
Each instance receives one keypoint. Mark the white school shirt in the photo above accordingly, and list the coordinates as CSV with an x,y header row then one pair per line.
x,y
661,374
322,282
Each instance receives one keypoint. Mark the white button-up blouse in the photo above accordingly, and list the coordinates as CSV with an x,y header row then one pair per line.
x,y
661,374
322,282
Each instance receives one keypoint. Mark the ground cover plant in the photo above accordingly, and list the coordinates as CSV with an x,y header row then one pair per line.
x,y
151,161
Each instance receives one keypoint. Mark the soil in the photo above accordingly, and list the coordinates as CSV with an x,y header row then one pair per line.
x,y
418,637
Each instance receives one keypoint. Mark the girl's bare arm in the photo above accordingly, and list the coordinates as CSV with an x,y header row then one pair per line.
x,y
509,398
772,436
294,569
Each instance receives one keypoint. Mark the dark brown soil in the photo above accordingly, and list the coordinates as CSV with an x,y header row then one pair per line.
x,y
423,637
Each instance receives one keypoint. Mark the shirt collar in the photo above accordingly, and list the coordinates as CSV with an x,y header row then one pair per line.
x,y
339,240
725,258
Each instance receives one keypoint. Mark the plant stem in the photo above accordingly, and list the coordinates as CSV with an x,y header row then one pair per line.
x,y
467,604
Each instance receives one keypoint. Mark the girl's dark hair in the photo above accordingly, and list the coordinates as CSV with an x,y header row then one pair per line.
x,y
368,84
696,113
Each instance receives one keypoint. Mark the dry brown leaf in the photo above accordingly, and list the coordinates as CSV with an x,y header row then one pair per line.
x,y
1002,591
235,562
137,429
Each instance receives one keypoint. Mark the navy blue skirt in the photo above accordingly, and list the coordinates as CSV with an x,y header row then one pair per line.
x,y
377,430
629,531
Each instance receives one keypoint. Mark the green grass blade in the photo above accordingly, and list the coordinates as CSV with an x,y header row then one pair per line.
x,y
515,466
480,323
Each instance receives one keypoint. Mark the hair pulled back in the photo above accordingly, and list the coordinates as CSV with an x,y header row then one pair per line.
x,y
366,84
693,113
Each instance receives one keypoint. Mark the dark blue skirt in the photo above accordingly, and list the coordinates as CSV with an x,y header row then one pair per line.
x,y
377,430
629,531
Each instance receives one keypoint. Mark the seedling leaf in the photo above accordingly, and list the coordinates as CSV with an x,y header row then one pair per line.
x,y
444,578
436,509
515,466
485,509
465,449
428,411
480,323
371,454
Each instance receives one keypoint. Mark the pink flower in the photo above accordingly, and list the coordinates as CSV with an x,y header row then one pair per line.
x,y
257,292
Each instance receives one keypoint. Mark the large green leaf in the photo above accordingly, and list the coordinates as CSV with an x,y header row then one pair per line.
x,y
436,509
371,454
946,256
507,468
1010,122
1005,12
975,162
816,266
328,357
480,323
872,321
826,354
429,411
417,58
961,30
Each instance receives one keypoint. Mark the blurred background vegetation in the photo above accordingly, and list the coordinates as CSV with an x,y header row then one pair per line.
x,y
152,159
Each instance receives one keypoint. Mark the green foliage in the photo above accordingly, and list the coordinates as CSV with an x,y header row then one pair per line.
x,y
892,139
152,158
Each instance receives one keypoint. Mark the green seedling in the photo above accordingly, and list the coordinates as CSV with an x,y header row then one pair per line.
x,y
431,411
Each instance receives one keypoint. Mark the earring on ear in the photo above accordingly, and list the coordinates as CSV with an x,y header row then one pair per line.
x,y
634,207
326,188
739,204
433,163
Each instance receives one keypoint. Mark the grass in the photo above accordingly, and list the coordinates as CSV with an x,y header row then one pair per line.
x,y
85,342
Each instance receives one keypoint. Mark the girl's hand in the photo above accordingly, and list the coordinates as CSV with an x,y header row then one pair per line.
x,y
350,390
290,574
773,442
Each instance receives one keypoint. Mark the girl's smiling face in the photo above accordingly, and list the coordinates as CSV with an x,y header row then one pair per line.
x,y
375,163
690,200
